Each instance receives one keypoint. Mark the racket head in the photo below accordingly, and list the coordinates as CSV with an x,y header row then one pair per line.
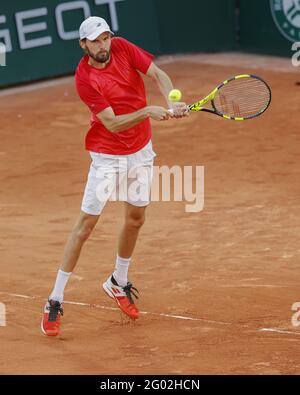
x,y
242,97
239,98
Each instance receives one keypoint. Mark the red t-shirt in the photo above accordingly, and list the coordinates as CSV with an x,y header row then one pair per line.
x,y
120,86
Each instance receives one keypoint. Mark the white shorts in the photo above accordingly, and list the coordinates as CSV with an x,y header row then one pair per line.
x,y
119,177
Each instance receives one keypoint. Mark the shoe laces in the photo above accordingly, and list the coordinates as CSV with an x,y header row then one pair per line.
x,y
55,308
128,289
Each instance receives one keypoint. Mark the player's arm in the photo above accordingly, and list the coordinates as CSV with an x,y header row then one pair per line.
x,y
119,123
165,85
99,106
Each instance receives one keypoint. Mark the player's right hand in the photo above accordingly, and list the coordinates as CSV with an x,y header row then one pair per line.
x,y
158,113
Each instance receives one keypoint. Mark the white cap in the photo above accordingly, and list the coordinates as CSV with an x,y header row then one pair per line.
x,y
92,27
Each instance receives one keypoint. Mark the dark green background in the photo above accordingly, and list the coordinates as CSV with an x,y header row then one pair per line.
x,y
190,26
160,26
136,21
259,32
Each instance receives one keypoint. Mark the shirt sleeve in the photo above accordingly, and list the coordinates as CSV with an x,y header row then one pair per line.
x,y
138,57
91,97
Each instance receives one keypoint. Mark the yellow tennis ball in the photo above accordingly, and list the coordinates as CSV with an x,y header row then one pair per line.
x,y
174,95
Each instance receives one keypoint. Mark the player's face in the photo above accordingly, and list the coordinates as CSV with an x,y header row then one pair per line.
x,y
98,49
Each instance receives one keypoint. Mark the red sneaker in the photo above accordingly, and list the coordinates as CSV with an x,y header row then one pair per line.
x,y
51,319
122,296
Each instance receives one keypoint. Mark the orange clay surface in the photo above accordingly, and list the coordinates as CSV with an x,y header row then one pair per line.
x,y
234,267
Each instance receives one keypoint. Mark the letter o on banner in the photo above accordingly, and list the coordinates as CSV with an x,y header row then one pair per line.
x,y
72,5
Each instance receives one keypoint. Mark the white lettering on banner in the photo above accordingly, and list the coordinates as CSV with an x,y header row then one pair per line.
x,y
24,27
112,12
34,27
4,34
2,54
2,314
60,9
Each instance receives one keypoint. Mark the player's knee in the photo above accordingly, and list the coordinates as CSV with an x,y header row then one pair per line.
x,y
136,221
82,234
84,229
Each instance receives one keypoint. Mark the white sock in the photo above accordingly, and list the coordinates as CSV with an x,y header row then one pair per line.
x,y
60,284
121,270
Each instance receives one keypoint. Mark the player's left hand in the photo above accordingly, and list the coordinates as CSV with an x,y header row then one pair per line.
x,y
180,110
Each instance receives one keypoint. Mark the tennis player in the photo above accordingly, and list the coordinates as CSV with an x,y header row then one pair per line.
x,y
108,81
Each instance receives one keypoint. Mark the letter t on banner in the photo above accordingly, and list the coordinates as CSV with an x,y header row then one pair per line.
x,y
112,11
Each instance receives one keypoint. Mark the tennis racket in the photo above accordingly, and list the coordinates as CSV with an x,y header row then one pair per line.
x,y
239,98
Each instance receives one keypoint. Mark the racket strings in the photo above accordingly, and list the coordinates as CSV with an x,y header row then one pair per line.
x,y
245,97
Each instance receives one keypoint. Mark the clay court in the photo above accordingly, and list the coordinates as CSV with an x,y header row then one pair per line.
x,y
232,270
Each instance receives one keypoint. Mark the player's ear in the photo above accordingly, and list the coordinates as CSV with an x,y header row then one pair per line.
x,y
82,43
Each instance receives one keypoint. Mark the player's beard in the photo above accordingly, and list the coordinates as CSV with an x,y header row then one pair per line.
x,y
100,57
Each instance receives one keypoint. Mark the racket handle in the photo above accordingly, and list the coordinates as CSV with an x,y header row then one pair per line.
x,y
171,111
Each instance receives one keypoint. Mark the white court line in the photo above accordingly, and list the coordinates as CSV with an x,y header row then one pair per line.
x,y
254,286
279,331
19,296
188,318
178,317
